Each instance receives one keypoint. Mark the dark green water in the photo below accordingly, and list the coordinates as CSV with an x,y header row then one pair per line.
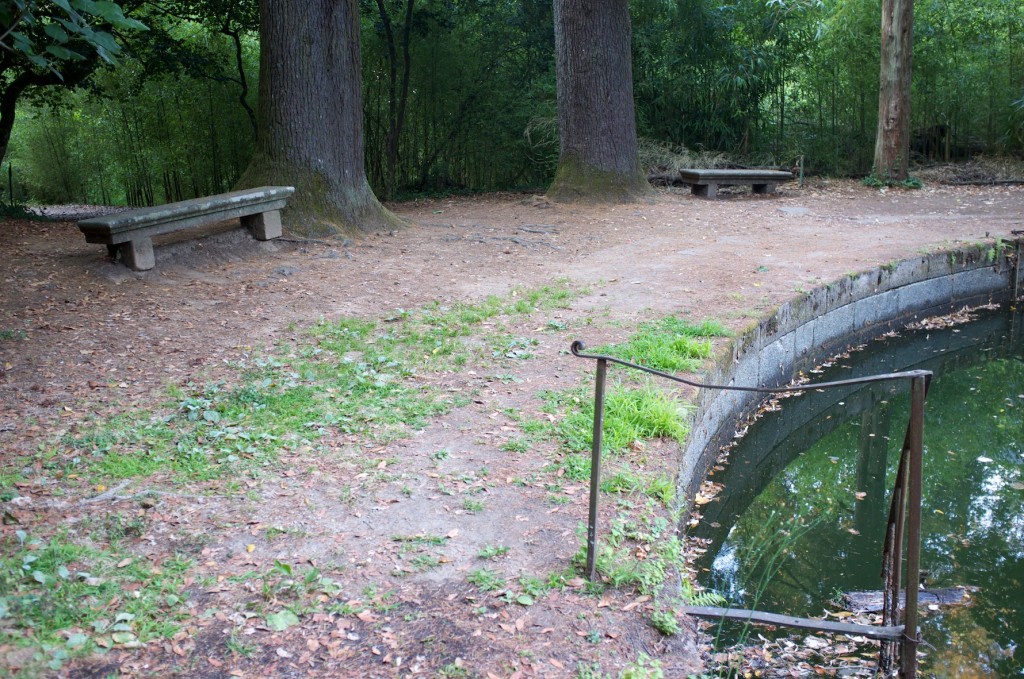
x,y
803,512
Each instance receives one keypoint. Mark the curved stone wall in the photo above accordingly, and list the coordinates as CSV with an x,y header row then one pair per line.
x,y
810,328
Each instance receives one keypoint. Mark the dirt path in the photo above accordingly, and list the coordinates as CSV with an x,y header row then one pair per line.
x,y
83,336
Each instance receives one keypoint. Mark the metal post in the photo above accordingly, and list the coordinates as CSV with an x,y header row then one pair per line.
x,y
911,638
595,469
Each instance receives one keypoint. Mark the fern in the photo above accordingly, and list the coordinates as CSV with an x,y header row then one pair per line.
x,y
707,599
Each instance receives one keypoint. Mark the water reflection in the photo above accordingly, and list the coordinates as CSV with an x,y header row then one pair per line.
x,y
823,467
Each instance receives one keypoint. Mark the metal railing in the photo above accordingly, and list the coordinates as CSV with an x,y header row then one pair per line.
x,y
904,520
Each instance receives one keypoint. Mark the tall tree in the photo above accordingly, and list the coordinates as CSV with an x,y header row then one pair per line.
x,y
598,158
892,142
310,114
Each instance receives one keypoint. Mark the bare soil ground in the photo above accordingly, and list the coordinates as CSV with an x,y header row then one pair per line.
x,y
84,336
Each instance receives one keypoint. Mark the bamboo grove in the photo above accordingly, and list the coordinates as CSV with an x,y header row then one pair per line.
x,y
459,95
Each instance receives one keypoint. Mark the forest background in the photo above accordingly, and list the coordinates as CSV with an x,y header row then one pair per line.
x,y
468,89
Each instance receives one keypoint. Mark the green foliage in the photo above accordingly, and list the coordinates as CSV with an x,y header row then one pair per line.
x,y
644,667
151,138
665,621
640,551
48,33
492,551
486,579
55,593
877,182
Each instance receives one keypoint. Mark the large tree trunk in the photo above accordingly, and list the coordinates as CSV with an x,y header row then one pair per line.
x,y
598,158
892,144
311,117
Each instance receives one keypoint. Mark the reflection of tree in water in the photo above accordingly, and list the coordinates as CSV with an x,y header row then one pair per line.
x,y
973,522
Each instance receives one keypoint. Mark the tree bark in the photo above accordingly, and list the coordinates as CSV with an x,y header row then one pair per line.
x,y
310,113
598,158
892,142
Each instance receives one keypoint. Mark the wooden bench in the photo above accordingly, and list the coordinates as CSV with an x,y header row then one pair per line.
x,y
705,183
131,233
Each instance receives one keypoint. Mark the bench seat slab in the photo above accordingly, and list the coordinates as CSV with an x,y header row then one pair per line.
x,y
131,232
705,183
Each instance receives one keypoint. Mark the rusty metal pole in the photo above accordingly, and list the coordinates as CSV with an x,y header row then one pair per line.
x,y
595,468
911,636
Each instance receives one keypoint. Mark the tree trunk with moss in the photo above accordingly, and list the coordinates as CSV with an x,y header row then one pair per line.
x,y
598,158
310,113
892,143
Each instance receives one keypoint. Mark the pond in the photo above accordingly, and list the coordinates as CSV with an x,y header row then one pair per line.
x,y
802,514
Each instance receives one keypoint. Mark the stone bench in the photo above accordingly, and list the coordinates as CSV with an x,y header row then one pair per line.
x,y
131,232
705,183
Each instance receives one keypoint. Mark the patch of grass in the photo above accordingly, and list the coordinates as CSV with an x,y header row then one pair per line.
x,y
591,670
424,562
644,667
492,551
513,347
58,595
638,552
8,335
516,445
240,646
576,466
453,671
486,580
630,415
297,586
472,506
422,539
669,344
659,487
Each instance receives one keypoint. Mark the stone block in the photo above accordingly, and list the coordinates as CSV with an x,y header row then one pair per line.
x,y
926,294
979,282
265,225
831,330
138,254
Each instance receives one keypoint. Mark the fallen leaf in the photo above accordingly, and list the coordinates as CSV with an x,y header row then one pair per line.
x,y
282,620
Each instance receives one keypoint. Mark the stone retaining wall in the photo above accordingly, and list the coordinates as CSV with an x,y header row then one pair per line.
x,y
810,328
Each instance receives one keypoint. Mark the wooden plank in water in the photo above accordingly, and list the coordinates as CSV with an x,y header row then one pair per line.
x,y
761,618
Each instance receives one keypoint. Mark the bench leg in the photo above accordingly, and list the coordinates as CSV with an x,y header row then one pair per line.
x,y
264,226
138,254
709,191
764,188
